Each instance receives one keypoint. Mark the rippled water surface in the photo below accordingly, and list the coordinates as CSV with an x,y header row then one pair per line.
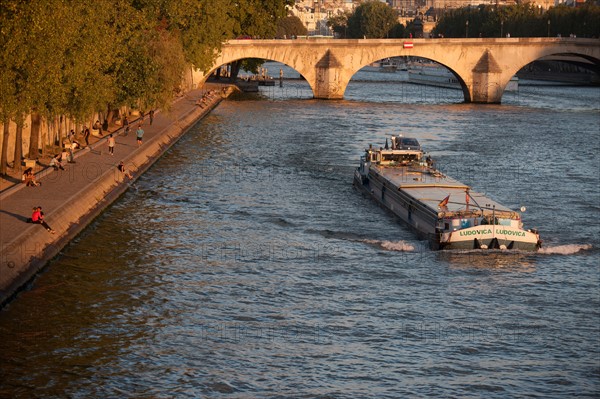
x,y
244,264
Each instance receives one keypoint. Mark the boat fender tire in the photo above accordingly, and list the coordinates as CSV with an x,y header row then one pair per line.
x,y
494,244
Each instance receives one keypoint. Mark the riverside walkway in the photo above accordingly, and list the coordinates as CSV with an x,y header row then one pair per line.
x,y
73,197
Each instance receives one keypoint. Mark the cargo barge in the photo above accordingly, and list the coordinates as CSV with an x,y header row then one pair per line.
x,y
438,208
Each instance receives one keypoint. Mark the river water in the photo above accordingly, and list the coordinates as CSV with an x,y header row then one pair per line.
x,y
243,264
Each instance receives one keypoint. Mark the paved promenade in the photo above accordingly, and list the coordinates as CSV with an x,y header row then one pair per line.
x,y
72,198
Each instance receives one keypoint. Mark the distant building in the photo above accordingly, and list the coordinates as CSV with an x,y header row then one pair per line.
x,y
414,8
314,14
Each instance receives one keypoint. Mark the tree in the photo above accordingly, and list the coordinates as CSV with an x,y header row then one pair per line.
x,y
372,19
290,26
398,31
18,154
257,19
93,56
339,24
4,156
46,49
167,57
10,61
520,20
202,26
30,60
73,58
47,65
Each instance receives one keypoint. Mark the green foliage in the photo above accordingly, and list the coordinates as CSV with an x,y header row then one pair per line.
x,y
74,57
257,18
398,31
582,21
373,20
339,24
252,65
89,60
521,20
167,60
290,26
202,26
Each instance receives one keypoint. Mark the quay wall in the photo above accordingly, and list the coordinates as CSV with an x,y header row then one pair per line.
x,y
33,248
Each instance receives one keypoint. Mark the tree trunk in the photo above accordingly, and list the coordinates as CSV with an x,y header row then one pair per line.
x,y
109,113
19,143
58,121
44,137
34,141
4,157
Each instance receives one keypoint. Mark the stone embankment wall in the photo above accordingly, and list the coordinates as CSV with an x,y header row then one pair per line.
x,y
34,247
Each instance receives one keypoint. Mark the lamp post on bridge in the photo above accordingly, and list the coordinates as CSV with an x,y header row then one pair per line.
x,y
501,28
548,28
467,28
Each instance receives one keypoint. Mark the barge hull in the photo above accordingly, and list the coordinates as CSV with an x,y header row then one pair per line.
x,y
414,221
420,219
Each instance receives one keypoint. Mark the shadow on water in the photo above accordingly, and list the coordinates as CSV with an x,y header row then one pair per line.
x,y
513,261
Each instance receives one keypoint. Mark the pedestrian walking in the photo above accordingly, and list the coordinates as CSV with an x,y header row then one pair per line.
x,y
37,217
151,114
139,134
86,135
111,144
125,125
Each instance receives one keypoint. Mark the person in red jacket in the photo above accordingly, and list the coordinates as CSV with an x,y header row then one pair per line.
x,y
38,217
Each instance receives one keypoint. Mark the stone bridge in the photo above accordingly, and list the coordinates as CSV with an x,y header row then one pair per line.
x,y
483,66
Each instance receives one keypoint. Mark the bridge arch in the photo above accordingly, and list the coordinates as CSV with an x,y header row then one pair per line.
x,y
549,53
483,66
288,58
463,85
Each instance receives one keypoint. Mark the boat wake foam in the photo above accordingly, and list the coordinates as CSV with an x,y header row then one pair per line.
x,y
567,249
401,246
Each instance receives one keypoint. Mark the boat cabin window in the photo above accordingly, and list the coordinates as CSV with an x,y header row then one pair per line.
x,y
488,219
399,158
407,143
